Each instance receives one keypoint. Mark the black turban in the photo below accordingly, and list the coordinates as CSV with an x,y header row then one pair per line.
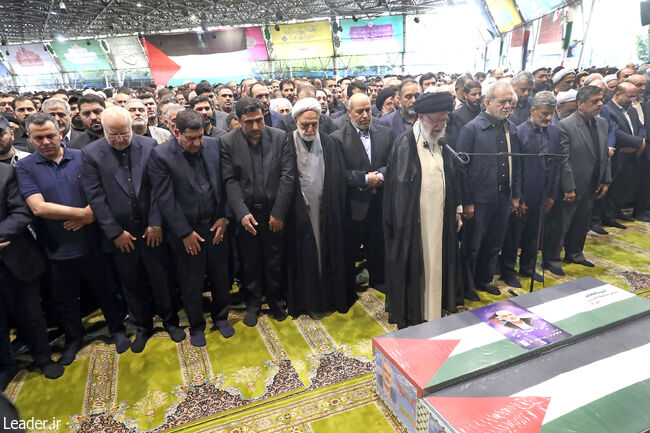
x,y
434,102
383,95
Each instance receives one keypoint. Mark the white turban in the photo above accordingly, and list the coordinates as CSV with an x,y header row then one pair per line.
x,y
561,74
609,78
568,96
305,104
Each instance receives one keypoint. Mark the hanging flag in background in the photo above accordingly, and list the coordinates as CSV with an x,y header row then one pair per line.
x,y
31,59
374,36
3,70
218,57
81,55
302,41
127,53
255,44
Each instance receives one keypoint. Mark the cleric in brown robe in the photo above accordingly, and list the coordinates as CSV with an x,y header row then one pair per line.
x,y
316,277
422,218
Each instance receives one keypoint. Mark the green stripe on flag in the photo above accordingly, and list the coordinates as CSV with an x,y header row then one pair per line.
x,y
486,357
625,410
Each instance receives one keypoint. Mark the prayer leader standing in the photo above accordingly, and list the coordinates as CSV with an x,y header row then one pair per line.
x,y
421,218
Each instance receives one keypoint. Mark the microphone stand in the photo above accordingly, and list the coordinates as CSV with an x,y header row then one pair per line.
x,y
465,158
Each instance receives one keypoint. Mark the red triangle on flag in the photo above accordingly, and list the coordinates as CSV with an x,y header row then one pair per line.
x,y
418,359
486,414
162,67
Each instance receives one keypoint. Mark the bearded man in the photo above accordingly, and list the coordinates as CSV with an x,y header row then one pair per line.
x,y
422,218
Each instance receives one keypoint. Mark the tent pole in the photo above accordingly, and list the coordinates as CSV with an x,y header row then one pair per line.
x,y
584,38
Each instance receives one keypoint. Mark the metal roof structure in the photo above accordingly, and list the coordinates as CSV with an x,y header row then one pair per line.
x,y
24,21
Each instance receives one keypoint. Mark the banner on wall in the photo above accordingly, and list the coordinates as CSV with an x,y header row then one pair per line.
x,y
218,56
255,44
32,59
533,9
3,70
373,36
127,53
301,41
81,55
504,13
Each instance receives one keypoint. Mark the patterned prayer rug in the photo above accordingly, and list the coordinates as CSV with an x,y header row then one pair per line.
x,y
299,375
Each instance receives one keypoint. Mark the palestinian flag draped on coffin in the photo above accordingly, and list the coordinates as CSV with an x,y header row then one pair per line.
x,y
216,56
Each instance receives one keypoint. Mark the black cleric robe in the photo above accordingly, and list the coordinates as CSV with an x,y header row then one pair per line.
x,y
404,262
309,291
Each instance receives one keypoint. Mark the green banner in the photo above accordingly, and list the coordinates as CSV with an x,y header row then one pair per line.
x,y
78,56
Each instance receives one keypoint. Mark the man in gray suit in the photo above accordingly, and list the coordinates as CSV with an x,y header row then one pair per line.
x,y
586,174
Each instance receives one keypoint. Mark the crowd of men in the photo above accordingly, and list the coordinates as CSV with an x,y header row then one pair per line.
x,y
147,198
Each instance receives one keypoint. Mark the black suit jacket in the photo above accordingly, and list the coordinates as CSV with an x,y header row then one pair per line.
x,y
20,256
325,124
625,137
279,171
106,187
175,189
358,165
82,139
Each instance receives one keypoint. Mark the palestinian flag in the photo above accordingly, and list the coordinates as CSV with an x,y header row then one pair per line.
x,y
600,384
216,56
442,353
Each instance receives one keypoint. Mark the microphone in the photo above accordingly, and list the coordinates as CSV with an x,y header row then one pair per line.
x,y
463,158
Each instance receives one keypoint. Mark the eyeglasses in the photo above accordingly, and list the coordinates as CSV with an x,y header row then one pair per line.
x,y
437,122
127,135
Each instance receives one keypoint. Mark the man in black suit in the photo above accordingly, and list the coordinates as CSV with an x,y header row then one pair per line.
x,y
288,124
119,192
185,174
630,140
91,107
20,266
366,147
60,110
258,172
586,176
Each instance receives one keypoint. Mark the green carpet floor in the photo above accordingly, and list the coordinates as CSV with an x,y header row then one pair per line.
x,y
298,375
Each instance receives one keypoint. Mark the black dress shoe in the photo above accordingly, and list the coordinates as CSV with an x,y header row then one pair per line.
x,y
250,319
643,218
583,262
140,341
614,223
52,370
279,314
175,333
225,328
491,289
5,378
599,229
555,270
197,338
511,280
472,296
625,218
122,342
536,276
70,352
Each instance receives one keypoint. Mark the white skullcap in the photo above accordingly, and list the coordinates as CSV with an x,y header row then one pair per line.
x,y
609,78
305,104
88,92
102,94
568,96
561,74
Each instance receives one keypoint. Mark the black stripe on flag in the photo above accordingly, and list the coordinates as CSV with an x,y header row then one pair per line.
x,y
184,44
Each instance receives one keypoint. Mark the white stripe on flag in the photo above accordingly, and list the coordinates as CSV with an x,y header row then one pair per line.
x,y
581,386
212,65
482,334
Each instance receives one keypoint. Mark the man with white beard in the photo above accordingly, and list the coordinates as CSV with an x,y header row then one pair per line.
x,y
139,122
422,218
316,282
